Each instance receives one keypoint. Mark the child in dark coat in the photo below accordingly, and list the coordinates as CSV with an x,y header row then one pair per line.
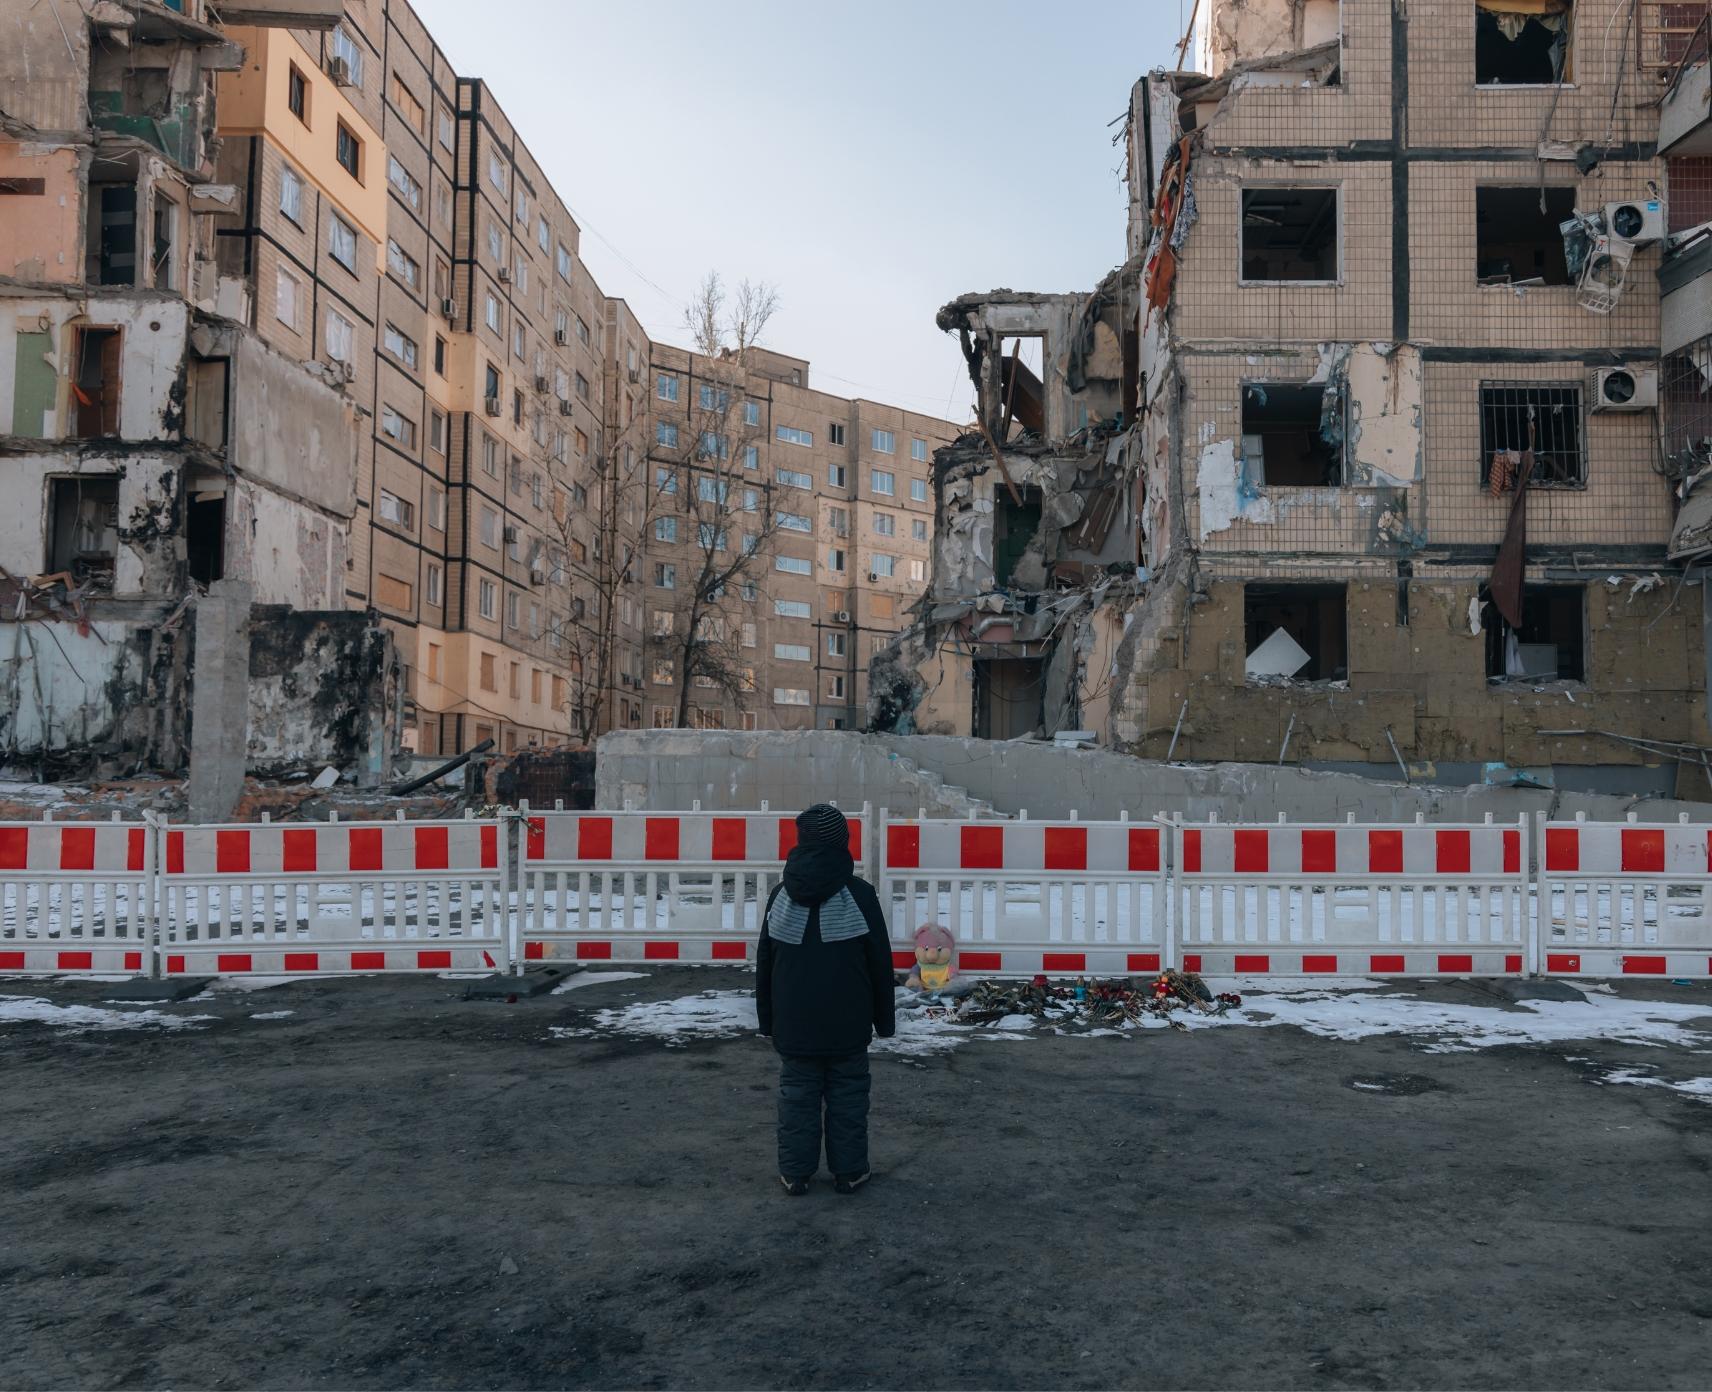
x,y
823,989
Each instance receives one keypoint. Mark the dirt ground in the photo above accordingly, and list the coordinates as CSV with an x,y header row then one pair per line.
x,y
392,1187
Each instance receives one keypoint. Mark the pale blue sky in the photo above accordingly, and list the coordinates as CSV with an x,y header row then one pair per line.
x,y
871,160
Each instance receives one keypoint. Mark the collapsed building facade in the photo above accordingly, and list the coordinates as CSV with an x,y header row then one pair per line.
x,y
155,449
1262,502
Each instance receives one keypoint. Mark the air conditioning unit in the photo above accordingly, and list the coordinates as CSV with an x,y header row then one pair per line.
x,y
492,405
565,408
1640,222
1605,275
560,337
842,616
448,309
345,371
504,276
1625,388
511,536
541,384
634,374
339,70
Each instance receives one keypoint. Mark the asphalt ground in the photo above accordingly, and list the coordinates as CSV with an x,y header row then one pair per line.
x,y
393,1187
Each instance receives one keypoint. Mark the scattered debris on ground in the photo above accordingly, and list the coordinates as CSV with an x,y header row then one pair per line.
x,y
1106,1004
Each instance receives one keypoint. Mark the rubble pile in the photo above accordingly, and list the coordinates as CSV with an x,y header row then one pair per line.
x,y
1108,1004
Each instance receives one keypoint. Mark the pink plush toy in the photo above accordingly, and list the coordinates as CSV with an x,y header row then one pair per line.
x,y
933,948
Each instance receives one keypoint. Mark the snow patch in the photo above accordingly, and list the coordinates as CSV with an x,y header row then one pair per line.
x,y
272,1014
87,1019
594,979
1700,1089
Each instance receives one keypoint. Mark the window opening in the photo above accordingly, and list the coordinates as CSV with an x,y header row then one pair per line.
x,y
1521,43
1546,419
1295,632
1292,434
1550,645
205,538
118,235
1289,234
84,534
95,391
1515,242
1014,527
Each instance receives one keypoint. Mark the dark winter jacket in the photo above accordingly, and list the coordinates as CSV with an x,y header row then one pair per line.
x,y
821,999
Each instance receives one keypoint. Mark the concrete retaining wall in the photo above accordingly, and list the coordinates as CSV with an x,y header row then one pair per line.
x,y
668,769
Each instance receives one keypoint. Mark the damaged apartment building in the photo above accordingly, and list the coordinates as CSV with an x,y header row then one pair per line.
x,y
156,451
1365,457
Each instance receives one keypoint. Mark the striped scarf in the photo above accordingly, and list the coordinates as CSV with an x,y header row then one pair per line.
x,y
840,919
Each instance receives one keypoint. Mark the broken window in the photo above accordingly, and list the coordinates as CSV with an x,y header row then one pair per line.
x,y
205,536
95,389
1014,526
1551,644
1521,43
1518,240
116,236
1296,632
1293,433
83,526
161,265
1544,418
1289,234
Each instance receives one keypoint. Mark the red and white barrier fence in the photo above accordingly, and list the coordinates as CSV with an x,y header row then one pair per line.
x,y
1023,898
1409,900
77,897
1625,899
653,886
335,898
1020,897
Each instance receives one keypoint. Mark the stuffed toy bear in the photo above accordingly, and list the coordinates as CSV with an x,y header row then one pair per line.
x,y
933,948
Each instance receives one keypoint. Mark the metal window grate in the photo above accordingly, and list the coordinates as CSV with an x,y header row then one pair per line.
x,y
1557,438
1671,34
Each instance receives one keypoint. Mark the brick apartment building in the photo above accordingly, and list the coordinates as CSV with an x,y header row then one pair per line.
x,y
489,421
1383,261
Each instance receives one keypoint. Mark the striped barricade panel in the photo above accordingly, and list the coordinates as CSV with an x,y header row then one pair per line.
x,y
333,898
1029,898
1411,900
1626,899
653,886
77,897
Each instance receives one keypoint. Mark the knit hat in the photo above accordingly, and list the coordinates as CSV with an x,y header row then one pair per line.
x,y
822,825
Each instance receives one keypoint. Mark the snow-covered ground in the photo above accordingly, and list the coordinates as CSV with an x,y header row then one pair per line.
x,y
1360,1009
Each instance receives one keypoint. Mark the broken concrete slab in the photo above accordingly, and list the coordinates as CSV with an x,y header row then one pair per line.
x,y
141,988
535,981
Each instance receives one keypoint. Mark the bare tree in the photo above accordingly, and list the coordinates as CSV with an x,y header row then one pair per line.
x,y
594,590
724,506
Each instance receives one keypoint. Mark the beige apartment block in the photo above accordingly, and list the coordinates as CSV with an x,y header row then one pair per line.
x,y
816,505
1378,254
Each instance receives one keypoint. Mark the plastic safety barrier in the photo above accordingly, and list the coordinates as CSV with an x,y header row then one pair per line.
x,y
1625,899
77,897
653,886
335,897
1404,900
1025,898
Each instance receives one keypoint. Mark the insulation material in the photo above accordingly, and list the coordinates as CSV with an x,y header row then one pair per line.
x,y
1225,491
1279,655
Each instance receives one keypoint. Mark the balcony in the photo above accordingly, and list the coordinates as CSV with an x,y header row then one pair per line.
x,y
1685,122
285,14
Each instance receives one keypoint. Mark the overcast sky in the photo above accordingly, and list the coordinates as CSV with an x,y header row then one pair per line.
x,y
872,160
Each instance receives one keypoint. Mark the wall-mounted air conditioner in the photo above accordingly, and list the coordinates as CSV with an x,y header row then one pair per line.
x,y
1625,388
842,616
541,384
1640,221
339,70
491,404
565,408
560,337
504,276
448,309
